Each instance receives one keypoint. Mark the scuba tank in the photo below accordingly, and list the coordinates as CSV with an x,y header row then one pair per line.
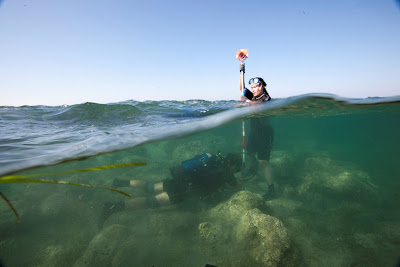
x,y
196,163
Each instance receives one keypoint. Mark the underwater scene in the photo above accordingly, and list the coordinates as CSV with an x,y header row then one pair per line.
x,y
334,165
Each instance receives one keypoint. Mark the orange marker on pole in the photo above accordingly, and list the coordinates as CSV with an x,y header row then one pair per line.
x,y
242,54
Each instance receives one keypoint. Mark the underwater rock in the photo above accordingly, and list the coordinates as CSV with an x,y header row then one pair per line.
x,y
213,233
104,246
284,207
264,236
323,176
257,238
237,205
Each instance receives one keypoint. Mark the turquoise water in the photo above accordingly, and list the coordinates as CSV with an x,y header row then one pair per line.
x,y
334,164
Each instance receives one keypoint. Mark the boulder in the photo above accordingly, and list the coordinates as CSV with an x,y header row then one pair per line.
x,y
247,236
264,236
237,205
213,233
323,176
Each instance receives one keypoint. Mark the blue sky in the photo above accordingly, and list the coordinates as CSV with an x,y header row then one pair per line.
x,y
69,52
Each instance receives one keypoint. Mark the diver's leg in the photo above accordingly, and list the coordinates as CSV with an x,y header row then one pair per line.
x,y
136,203
163,199
140,184
266,169
160,200
158,187
137,183
149,187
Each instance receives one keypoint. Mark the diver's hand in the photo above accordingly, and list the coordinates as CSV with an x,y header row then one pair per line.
x,y
241,68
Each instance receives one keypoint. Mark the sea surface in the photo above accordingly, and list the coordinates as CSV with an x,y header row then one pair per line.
x,y
335,166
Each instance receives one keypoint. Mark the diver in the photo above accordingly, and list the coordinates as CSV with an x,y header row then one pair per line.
x,y
201,176
261,137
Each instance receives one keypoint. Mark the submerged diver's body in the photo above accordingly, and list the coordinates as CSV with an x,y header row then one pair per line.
x,y
261,137
200,176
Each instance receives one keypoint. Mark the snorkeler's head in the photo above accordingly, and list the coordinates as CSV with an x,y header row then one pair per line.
x,y
258,80
234,162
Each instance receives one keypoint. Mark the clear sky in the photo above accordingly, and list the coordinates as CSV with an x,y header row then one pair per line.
x,y
76,51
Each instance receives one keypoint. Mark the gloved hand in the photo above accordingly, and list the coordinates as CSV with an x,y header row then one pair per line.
x,y
241,67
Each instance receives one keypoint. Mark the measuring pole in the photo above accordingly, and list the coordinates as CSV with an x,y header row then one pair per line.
x,y
241,55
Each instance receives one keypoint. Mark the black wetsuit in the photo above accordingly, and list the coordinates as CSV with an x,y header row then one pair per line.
x,y
261,137
201,181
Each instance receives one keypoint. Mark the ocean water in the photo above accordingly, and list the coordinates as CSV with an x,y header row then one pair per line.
x,y
334,163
